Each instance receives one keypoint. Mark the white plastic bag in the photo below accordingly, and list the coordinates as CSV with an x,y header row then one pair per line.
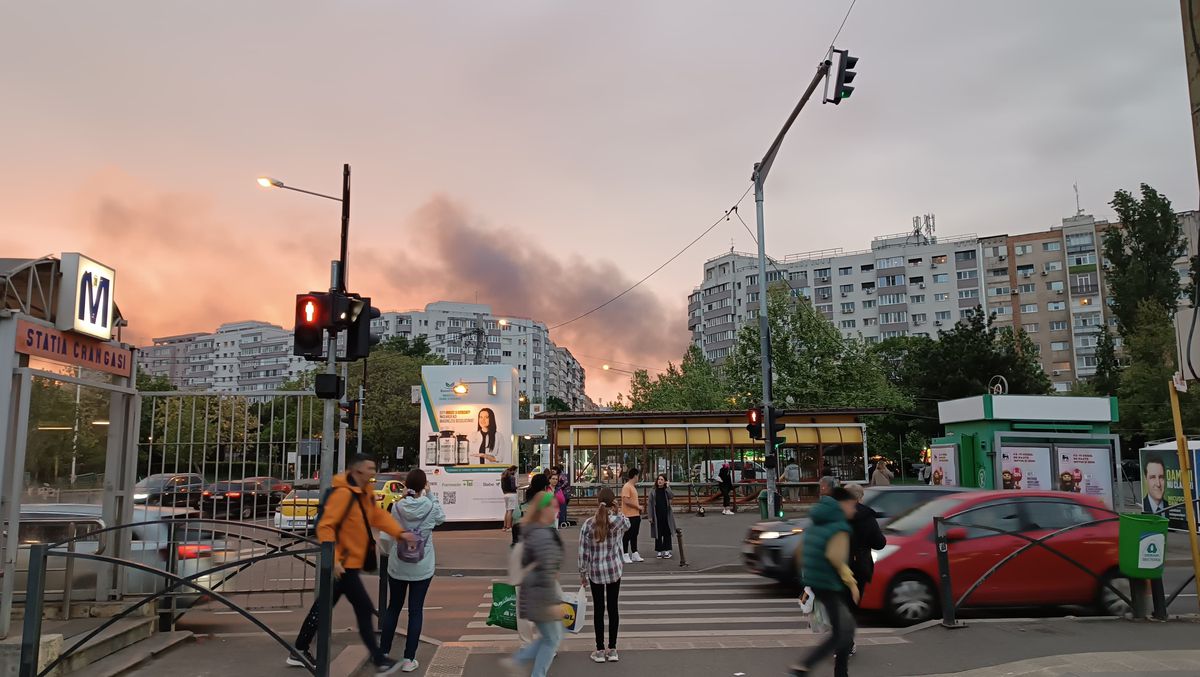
x,y
807,600
576,610
818,620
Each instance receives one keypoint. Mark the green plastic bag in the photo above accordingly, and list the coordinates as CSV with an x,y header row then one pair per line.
x,y
504,606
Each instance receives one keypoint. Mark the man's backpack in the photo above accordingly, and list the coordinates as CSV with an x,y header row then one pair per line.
x,y
321,506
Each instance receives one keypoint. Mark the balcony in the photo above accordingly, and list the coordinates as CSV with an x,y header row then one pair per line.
x,y
1085,290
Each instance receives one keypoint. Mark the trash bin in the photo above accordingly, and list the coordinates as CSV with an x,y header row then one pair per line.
x,y
1142,545
764,511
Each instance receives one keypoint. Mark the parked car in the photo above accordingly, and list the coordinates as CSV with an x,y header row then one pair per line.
x,y
196,550
278,488
298,510
388,491
904,587
770,547
242,499
177,490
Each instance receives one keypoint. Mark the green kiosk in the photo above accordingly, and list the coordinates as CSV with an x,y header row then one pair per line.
x,y
1028,442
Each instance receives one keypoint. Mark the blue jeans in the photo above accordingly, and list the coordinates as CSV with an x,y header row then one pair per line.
x,y
542,650
562,510
416,615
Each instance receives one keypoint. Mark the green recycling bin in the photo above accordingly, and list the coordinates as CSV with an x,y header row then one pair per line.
x,y
1142,545
764,511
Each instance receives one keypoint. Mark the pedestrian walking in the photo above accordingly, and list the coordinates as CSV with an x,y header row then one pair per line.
x,y
347,519
725,483
564,486
410,572
662,518
600,568
865,536
882,477
825,568
539,597
631,507
537,484
508,487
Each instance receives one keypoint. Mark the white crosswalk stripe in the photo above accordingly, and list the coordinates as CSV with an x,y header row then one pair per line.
x,y
712,605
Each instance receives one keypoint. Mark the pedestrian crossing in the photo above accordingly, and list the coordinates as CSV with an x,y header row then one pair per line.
x,y
681,605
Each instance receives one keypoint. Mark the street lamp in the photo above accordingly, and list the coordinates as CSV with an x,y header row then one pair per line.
x,y
609,367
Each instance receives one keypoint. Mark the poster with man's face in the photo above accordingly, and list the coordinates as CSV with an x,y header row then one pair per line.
x,y
1161,485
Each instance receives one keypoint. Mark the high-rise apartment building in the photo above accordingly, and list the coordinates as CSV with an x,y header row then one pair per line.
x,y
469,333
240,357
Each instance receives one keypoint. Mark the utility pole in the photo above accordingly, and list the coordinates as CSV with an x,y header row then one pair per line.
x,y
478,331
337,285
761,169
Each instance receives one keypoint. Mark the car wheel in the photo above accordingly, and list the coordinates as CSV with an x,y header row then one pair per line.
x,y
910,600
1108,603
247,512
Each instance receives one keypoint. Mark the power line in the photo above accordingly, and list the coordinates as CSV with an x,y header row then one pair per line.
x,y
635,285
842,25
783,275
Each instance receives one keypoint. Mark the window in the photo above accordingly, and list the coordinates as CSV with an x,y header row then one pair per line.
x,y
893,318
891,299
915,263
1059,345
942,315
890,262
868,287
1058,325
895,333
846,288
845,271
1051,246
999,291
1031,328
1086,341
825,308
966,313
940,258
1052,266
1087,361
891,280
1079,240
1054,286
1054,516
993,252
774,276
916,279
941,277
942,296
1062,386
867,267
1056,305
1023,249
824,293
917,298
966,255
920,317
998,272
870,321
847,308
1087,259
968,293
1002,311
1004,516
869,303
821,273
847,324
968,274
1027,288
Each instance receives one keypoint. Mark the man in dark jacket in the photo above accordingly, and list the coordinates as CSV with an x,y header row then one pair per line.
x,y
725,477
865,536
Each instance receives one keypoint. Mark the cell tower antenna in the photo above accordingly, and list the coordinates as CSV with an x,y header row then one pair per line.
x,y
1078,209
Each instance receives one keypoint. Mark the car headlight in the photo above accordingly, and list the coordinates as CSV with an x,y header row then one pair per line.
x,y
886,550
140,497
772,535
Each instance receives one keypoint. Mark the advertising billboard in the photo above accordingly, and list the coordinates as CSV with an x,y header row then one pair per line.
x,y
1086,470
1162,487
467,440
943,462
1026,468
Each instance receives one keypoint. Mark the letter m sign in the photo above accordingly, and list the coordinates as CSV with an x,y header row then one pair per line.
x,y
94,294
85,299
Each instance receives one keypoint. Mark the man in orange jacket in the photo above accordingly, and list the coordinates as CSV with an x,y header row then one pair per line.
x,y
349,515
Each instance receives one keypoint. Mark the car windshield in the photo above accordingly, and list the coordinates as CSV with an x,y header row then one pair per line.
x,y
153,482
228,486
304,493
894,502
920,517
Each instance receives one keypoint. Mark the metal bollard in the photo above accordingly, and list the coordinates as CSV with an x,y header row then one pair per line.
x,y
324,609
69,573
682,555
35,589
949,619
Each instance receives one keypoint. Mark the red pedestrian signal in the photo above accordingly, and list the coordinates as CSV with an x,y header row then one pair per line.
x,y
754,424
312,318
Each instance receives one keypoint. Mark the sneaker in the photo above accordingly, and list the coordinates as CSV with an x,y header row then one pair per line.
x,y
667,555
297,663
658,554
386,666
625,558
512,668
611,656
635,557
597,656
409,665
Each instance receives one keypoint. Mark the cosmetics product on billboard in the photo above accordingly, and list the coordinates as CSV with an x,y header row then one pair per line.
x,y
447,453
431,450
464,449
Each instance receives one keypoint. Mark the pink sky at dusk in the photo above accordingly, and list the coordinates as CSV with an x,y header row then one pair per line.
x,y
545,155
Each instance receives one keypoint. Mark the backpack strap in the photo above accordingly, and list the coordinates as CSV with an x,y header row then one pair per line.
x,y
366,522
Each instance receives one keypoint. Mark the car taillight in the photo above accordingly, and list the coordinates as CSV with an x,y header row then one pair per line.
x,y
207,493
233,494
193,551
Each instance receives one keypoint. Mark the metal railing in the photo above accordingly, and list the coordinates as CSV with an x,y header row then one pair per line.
x,y
173,582
950,606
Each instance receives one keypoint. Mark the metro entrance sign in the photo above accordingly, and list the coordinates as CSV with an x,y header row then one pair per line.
x,y
39,340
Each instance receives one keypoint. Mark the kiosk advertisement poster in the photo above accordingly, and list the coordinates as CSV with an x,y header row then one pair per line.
x,y
943,462
1162,487
1026,468
1086,470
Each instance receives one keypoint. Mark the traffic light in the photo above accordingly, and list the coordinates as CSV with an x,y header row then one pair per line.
x,y
774,426
350,414
359,338
312,317
754,424
844,75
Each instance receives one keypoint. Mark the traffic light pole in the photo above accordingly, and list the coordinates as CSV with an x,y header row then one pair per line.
x,y
761,169
329,436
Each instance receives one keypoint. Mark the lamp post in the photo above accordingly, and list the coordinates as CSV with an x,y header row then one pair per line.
x,y
337,284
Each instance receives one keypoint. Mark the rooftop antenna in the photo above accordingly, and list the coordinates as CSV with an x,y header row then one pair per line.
x,y
929,228
732,245
1078,209
916,231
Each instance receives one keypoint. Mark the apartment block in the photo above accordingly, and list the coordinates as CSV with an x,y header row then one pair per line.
x,y
240,357
470,333
905,284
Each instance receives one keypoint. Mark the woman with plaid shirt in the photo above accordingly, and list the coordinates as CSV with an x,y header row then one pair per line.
x,y
600,567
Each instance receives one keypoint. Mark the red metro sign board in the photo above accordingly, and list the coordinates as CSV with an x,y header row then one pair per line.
x,y
38,340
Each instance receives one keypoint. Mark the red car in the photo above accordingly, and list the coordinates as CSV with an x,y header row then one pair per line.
x,y
905,584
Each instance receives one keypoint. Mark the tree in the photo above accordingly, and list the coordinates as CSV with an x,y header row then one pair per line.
x,y
694,385
418,347
1107,379
1143,251
391,420
555,403
1150,345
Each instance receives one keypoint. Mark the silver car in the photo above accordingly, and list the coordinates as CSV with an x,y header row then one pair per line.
x,y
195,550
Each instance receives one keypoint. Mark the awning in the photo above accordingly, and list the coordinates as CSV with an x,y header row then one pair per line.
x,y
722,437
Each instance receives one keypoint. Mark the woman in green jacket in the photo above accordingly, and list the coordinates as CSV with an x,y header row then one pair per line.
x,y
826,558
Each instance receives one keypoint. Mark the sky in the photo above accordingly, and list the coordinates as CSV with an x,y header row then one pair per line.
x,y
542,156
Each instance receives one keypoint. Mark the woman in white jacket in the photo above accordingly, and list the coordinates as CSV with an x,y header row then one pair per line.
x,y
419,513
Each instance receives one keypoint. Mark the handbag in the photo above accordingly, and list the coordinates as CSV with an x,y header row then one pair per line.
x,y
371,559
